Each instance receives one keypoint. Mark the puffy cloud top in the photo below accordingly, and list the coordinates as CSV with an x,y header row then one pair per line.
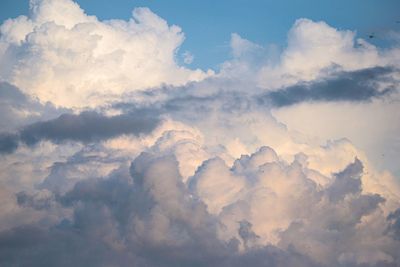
x,y
62,55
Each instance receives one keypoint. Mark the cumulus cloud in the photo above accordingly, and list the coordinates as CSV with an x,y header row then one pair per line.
x,y
147,215
315,47
40,54
314,51
317,85
188,173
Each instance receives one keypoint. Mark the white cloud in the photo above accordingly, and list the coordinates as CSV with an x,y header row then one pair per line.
x,y
314,50
62,55
370,126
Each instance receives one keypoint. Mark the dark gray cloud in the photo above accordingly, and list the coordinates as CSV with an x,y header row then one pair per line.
x,y
355,86
8,142
86,127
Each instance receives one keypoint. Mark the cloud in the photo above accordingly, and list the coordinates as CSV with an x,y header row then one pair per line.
x,y
187,57
86,127
314,51
145,214
325,83
314,47
190,171
40,54
142,212
346,182
357,86
394,227
18,109
8,142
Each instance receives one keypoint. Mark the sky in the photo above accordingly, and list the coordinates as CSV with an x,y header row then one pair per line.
x,y
208,25
212,133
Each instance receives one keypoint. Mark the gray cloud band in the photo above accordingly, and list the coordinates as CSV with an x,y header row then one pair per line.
x,y
355,86
88,126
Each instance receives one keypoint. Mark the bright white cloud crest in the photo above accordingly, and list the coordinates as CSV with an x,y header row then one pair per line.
x,y
73,59
170,166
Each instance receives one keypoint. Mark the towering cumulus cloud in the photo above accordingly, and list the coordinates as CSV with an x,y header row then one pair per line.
x,y
62,55
112,154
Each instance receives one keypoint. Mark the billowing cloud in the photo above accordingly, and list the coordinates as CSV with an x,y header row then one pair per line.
x,y
314,51
41,55
153,164
315,48
145,214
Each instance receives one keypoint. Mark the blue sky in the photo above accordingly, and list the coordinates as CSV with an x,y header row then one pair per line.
x,y
208,24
